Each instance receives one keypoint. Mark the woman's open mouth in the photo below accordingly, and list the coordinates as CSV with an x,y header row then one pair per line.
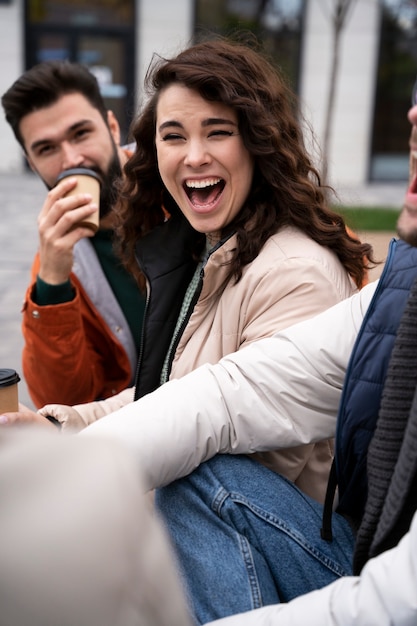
x,y
203,194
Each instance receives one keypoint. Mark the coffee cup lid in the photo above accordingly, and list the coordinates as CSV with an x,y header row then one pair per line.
x,y
80,171
8,377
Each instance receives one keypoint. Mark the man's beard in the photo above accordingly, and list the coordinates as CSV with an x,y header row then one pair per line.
x,y
108,191
108,188
409,236
407,225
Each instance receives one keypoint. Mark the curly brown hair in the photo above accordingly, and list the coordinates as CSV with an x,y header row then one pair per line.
x,y
286,187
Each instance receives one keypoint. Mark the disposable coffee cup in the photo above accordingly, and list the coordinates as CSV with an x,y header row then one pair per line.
x,y
9,397
88,181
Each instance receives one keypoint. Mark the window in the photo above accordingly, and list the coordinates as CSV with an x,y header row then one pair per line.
x,y
81,13
396,74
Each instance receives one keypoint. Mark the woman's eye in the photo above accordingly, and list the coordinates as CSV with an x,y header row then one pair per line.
x,y
221,133
171,137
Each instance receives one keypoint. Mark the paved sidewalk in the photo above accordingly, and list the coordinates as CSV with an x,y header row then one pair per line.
x,y
21,197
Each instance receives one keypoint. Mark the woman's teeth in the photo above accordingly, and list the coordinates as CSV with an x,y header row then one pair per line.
x,y
201,184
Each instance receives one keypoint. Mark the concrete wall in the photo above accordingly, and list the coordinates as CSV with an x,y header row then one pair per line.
x,y
164,27
354,101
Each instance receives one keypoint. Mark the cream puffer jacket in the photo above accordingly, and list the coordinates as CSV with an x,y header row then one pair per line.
x,y
291,279
277,393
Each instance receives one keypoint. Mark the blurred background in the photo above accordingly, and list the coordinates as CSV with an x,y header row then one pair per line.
x,y
353,64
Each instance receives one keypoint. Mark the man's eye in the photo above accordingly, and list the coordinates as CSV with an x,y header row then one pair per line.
x,y
45,150
81,133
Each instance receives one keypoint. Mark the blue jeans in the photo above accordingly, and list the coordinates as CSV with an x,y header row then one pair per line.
x,y
247,537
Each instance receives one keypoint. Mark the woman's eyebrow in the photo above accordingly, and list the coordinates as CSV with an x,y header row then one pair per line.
x,y
169,123
211,121
218,120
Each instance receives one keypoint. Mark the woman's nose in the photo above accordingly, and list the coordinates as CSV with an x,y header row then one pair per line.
x,y
196,153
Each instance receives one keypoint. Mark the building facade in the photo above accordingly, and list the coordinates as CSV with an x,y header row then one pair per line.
x,y
117,39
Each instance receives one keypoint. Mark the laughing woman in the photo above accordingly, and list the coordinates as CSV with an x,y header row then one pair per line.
x,y
251,245
244,244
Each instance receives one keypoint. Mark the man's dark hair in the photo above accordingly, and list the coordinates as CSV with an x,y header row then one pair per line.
x,y
43,85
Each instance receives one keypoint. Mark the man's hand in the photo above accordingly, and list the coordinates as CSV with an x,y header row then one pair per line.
x,y
58,232
25,417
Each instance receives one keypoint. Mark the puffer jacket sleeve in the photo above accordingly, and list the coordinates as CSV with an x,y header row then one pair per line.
x,y
383,595
75,418
276,393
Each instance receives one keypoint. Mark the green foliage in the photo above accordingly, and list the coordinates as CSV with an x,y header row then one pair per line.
x,y
369,218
